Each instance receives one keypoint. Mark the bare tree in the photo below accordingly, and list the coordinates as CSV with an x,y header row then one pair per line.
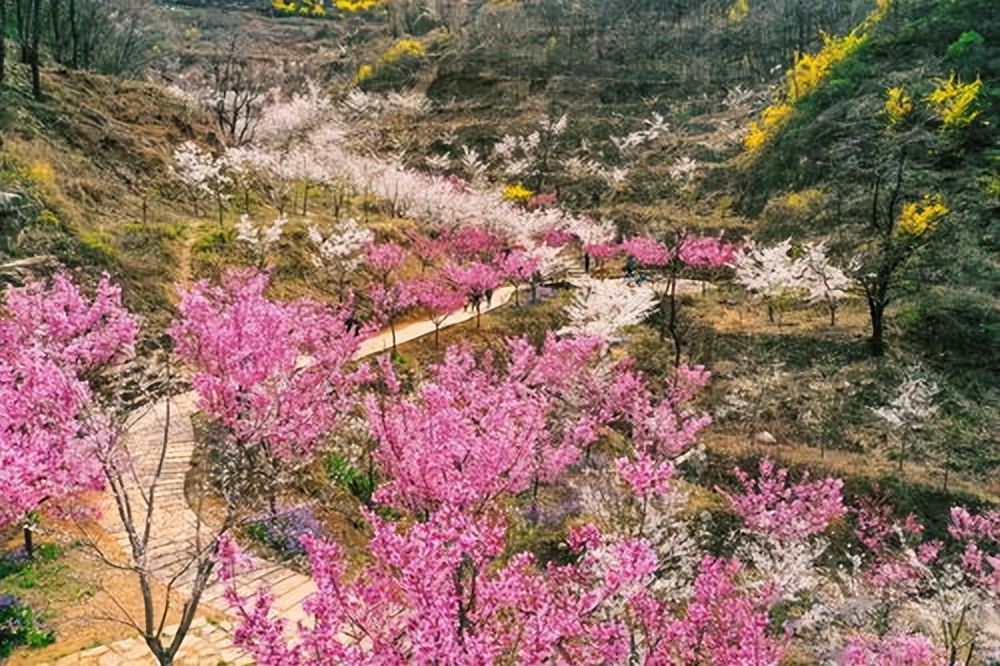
x,y
28,19
164,543
236,95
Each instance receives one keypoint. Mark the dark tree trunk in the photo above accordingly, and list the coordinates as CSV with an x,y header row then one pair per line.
x,y
3,40
29,544
877,311
74,36
23,35
36,33
57,37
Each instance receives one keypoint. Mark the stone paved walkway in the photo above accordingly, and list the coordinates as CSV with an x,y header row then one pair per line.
x,y
177,533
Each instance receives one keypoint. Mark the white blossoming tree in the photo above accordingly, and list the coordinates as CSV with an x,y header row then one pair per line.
x,y
604,307
259,237
339,251
206,175
906,413
770,274
826,283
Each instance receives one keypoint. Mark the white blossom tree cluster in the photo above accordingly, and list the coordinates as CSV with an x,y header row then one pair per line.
x,y
304,141
780,273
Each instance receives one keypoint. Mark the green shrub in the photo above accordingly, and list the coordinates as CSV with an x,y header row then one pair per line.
x,y
342,473
214,241
958,329
19,626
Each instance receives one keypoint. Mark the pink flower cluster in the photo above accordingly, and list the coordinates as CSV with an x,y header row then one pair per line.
x,y
274,373
772,506
54,339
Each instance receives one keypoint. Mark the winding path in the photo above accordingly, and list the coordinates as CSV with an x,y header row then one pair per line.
x,y
177,533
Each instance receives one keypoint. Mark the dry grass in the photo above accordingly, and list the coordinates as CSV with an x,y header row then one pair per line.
x,y
868,465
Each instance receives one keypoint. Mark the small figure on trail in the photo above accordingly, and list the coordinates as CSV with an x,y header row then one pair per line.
x,y
630,266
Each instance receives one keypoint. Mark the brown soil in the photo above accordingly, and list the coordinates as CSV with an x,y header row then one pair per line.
x,y
83,599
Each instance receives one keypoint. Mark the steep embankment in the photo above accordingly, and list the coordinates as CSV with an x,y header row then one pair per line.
x,y
87,176
918,97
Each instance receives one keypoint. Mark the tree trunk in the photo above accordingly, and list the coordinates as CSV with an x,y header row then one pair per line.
x,y
57,36
876,310
29,544
3,40
36,33
74,35
23,34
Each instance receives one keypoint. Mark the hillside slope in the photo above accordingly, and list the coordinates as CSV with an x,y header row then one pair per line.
x,y
815,176
87,177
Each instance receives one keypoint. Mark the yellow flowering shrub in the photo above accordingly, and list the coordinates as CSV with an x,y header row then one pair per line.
x,y
810,70
42,174
739,11
806,199
773,117
516,193
919,217
806,74
305,7
365,72
356,5
399,49
897,105
953,100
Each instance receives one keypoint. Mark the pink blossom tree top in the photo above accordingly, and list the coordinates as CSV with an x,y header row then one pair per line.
x,y
602,251
660,429
476,280
439,297
429,250
54,340
384,258
469,435
48,440
772,506
895,650
706,252
980,535
444,591
555,237
475,243
277,374
721,624
391,301
647,251
79,333
518,267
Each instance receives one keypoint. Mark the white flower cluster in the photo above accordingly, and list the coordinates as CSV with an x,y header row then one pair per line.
x,y
772,272
604,307
914,403
260,236
200,169
341,249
